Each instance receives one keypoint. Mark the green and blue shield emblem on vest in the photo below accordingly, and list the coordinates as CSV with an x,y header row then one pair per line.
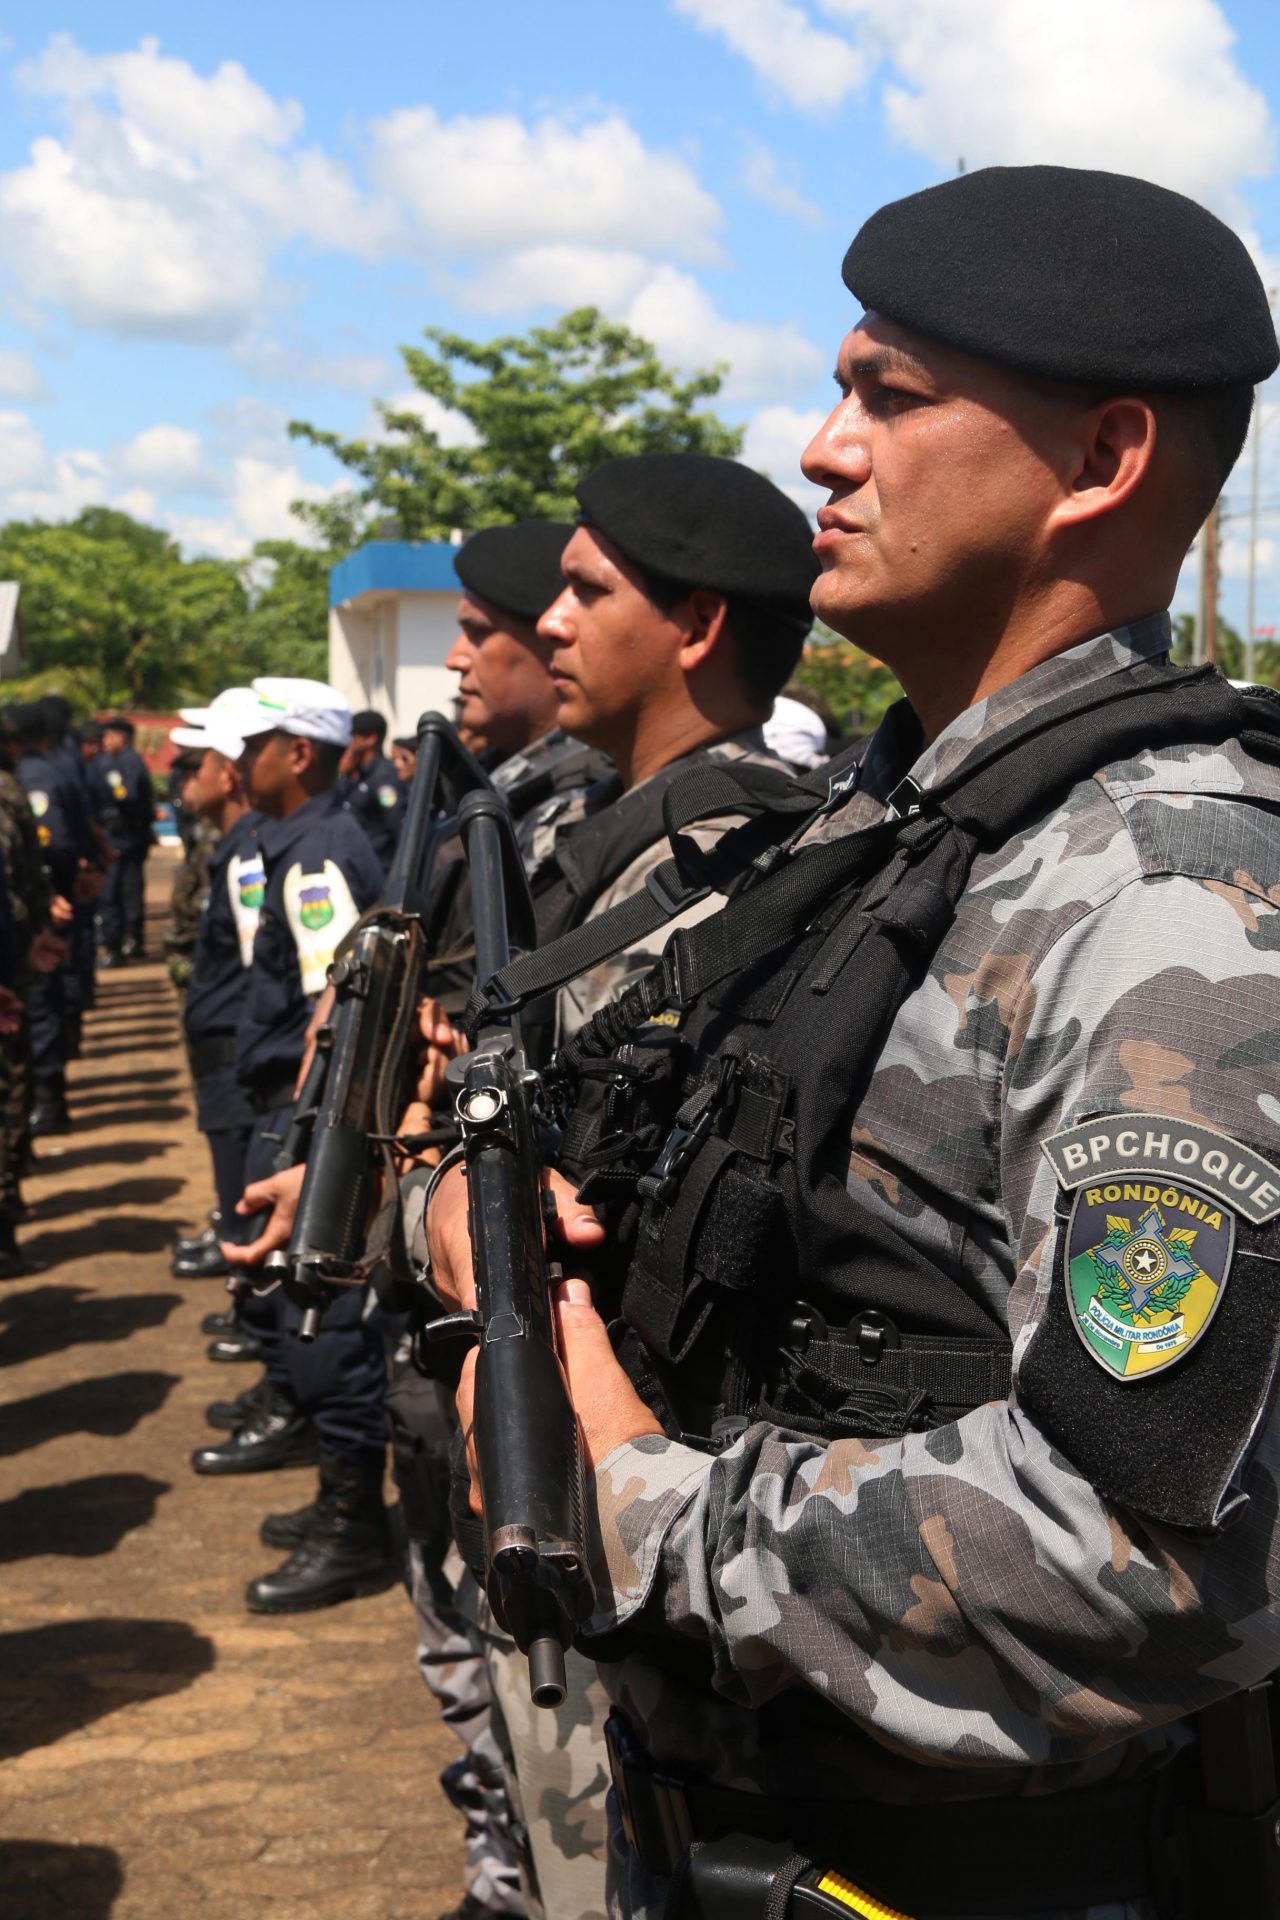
x,y
252,886
1149,1240
315,906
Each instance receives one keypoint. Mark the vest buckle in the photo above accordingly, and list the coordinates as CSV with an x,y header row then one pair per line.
x,y
873,1334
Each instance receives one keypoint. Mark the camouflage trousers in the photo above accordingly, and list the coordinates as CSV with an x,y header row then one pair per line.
x,y
15,1099
453,1666
559,1775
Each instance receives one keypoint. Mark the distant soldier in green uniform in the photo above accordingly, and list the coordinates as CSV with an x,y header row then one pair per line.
x,y
191,882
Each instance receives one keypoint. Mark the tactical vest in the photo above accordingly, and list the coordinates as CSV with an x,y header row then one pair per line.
x,y
709,1111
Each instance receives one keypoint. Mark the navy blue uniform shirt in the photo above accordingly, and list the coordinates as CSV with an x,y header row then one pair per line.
x,y
61,822
123,798
321,875
219,984
376,798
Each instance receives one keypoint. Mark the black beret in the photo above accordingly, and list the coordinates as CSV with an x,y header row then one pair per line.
x,y
704,522
516,568
1096,279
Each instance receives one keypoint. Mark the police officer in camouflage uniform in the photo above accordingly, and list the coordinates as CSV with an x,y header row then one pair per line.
x,y
683,610
938,1489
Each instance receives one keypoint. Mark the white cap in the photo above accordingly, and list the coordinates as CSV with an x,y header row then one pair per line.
x,y
796,734
218,724
306,707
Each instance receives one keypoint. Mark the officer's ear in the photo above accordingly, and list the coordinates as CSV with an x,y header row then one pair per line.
x,y
705,618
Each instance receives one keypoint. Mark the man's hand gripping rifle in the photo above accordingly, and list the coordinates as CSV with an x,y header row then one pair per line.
x,y
377,978
526,1435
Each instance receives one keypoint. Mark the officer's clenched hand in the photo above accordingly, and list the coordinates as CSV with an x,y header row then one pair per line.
x,y
47,952
281,1192
449,1242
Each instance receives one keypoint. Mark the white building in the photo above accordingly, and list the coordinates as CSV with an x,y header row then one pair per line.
x,y
13,659
392,619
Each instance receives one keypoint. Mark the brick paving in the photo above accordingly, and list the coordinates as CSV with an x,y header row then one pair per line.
x,y
163,1752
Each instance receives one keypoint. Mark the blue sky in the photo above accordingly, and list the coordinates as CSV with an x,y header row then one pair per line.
x,y
213,219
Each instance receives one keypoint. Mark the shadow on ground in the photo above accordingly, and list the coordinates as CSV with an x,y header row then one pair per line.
x,y
110,1406
49,1318
57,1678
79,1518
44,1881
125,1194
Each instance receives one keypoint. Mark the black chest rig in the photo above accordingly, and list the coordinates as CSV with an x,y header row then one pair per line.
x,y
709,1111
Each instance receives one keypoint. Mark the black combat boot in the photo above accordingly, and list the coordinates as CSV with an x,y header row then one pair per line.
x,y
208,1236
239,1344
202,1263
346,1554
276,1436
49,1106
220,1322
290,1530
231,1415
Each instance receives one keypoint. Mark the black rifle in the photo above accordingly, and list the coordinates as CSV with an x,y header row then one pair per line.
x,y
377,978
527,1441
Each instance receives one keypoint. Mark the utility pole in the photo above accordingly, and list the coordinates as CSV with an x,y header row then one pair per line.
x,y
1207,635
1254,463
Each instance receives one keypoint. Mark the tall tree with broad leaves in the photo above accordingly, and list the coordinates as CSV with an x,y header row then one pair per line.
x,y
509,427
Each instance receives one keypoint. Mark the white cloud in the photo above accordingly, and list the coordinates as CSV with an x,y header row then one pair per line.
x,y
813,68
774,440
1019,81
451,429
763,357
157,212
483,184
22,452
562,276
273,359
1014,82
763,179
172,459
20,377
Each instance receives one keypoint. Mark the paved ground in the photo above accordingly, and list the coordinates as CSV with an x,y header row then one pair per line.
x,y
162,1752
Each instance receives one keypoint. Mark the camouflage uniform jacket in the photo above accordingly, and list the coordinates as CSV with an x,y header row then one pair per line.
x,y
958,1612
24,865
191,887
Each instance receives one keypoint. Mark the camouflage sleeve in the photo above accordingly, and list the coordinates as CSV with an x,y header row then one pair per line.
x,y
966,1594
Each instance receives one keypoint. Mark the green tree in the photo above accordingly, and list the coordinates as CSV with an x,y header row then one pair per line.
x,y
542,408
858,689
113,614
1266,653
286,629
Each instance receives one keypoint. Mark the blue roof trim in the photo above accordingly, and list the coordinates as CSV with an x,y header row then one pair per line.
x,y
395,566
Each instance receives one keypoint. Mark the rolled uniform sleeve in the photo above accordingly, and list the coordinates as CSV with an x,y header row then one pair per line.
x,y
965,1594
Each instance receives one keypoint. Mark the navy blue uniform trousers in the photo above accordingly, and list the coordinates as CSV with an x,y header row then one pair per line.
x,y
340,1378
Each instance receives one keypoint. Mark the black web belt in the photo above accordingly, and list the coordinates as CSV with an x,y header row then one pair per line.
x,y
1005,1856
216,1050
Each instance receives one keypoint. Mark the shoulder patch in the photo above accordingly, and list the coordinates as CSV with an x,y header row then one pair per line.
x,y
1167,1277
1121,1145
38,800
388,796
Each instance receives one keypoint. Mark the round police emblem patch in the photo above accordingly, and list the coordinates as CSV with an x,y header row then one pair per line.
x,y
387,796
1146,1264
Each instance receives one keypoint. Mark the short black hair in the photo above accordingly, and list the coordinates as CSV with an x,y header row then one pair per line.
x,y
768,639
370,722
328,758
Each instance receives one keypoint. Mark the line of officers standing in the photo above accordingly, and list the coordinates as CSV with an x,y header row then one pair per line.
x,y
76,824
588,680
